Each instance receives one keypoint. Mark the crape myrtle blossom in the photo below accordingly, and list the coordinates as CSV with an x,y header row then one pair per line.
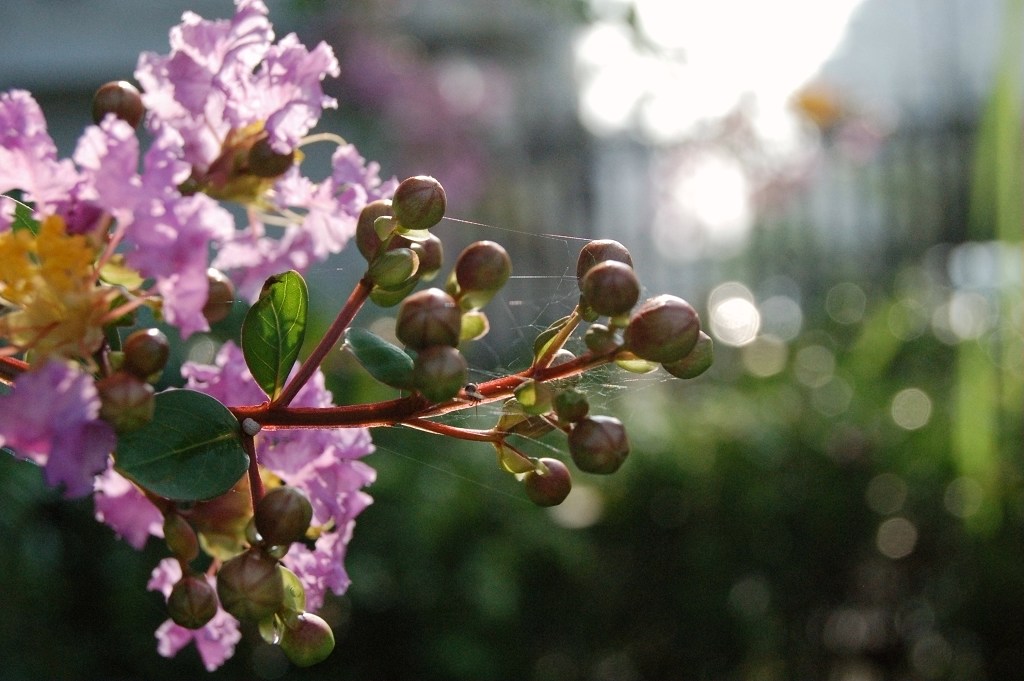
x,y
52,418
225,76
28,157
321,219
126,510
215,641
322,463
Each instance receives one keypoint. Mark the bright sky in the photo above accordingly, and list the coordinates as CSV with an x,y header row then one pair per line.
x,y
713,54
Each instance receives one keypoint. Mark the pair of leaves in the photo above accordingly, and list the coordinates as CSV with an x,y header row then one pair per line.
x,y
192,449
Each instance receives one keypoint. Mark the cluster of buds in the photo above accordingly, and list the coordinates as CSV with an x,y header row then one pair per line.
x,y
257,523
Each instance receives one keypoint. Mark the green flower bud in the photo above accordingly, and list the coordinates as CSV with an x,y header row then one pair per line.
x,y
219,298
481,270
600,340
610,288
571,406
192,602
181,539
663,329
367,240
429,317
439,372
601,250
419,202
598,444
307,639
551,486
145,352
282,516
697,362
250,586
120,98
126,402
393,268
383,297
431,255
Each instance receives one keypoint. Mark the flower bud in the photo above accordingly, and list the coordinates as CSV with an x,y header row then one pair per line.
x,y
181,539
696,362
126,402
571,406
145,352
392,269
663,329
192,602
600,340
598,251
120,98
419,202
307,639
367,240
551,487
219,298
598,444
439,372
481,270
610,288
265,162
283,515
431,255
250,586
429,317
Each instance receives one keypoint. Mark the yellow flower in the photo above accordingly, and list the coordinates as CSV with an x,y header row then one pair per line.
x,y
50,282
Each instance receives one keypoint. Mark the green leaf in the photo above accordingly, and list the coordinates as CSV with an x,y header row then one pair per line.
x,y
386,362
273,330
190,451
23,218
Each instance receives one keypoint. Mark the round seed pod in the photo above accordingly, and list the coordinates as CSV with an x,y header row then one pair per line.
x,y
610,288
598,251
250,586
439,372
550,488
192,602
120,98
419,202
663,329
429,317
145,352
283,515
219,298
598,444
307,639
696,362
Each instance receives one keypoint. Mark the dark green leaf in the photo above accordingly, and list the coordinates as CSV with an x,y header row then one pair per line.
x,y
273,330
23,218
386,362
191,450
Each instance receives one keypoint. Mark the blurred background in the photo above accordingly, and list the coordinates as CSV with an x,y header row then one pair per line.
x,y
836,186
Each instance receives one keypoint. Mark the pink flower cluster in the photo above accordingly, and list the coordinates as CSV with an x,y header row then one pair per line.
x,y
222,81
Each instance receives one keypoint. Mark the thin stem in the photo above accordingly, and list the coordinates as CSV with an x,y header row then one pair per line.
x,y
255,481
11,368
355,301
401,410
473,434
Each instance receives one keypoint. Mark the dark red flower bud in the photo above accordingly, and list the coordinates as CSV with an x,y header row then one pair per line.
x,y
265,162
601,250
697,362
250,586
551,487
145,352
126,401
598,444
419,202
481,270
307,639
663,329
192,602
367,240
610,288
431,254
283,515
439,372
180,538
600,339
429,317
219,298
120,98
